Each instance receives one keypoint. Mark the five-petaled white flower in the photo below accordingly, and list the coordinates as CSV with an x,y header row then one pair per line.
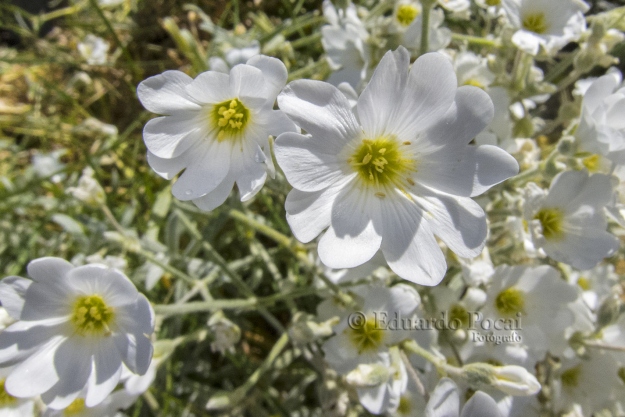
x,y
216,128
75,328
547,24
395,176
568,222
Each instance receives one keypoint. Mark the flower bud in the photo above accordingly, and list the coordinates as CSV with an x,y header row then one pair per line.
x,y
305,331
368,375
225,332
511,379
89,190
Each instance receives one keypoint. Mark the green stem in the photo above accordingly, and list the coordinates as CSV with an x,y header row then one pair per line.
x,y
425,26
215,257
525,176
230,304
560,68
476,40
307,40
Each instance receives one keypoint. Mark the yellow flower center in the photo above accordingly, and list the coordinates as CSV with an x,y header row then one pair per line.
x,y
457,312
76,407
230,119
5,397
570,377
552,220
381,162
583,283
510,301
366,337
493,2
591,163
406,13
536,22
91,316
405,407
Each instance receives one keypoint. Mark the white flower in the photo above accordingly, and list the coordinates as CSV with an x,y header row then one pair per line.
x,y
548,24
226,333
362,335
601,129
11,406
568,222
439,36
592,383
49,165
380,384
89,190
76,328
536,298
595,284
445,402
396,176
234,56
93,49
345,43
216,128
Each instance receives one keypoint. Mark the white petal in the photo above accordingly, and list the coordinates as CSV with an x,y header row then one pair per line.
x,y
493,166
378,102
306,164
309,214
322,110
106,373
37,373
136,322
43,301
526,41
12,294
22,338
351,240
459,222
248,84
205,174
165,93
168,168
481,405
170,136
428,95
210,87
470,114
274,71
600,90
112,285
444,401
276,122
583,249
216,197
73,364
251,181
573,189
48,269
408,243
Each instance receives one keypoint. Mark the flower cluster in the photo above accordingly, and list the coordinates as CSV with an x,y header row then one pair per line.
x,y
429,221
